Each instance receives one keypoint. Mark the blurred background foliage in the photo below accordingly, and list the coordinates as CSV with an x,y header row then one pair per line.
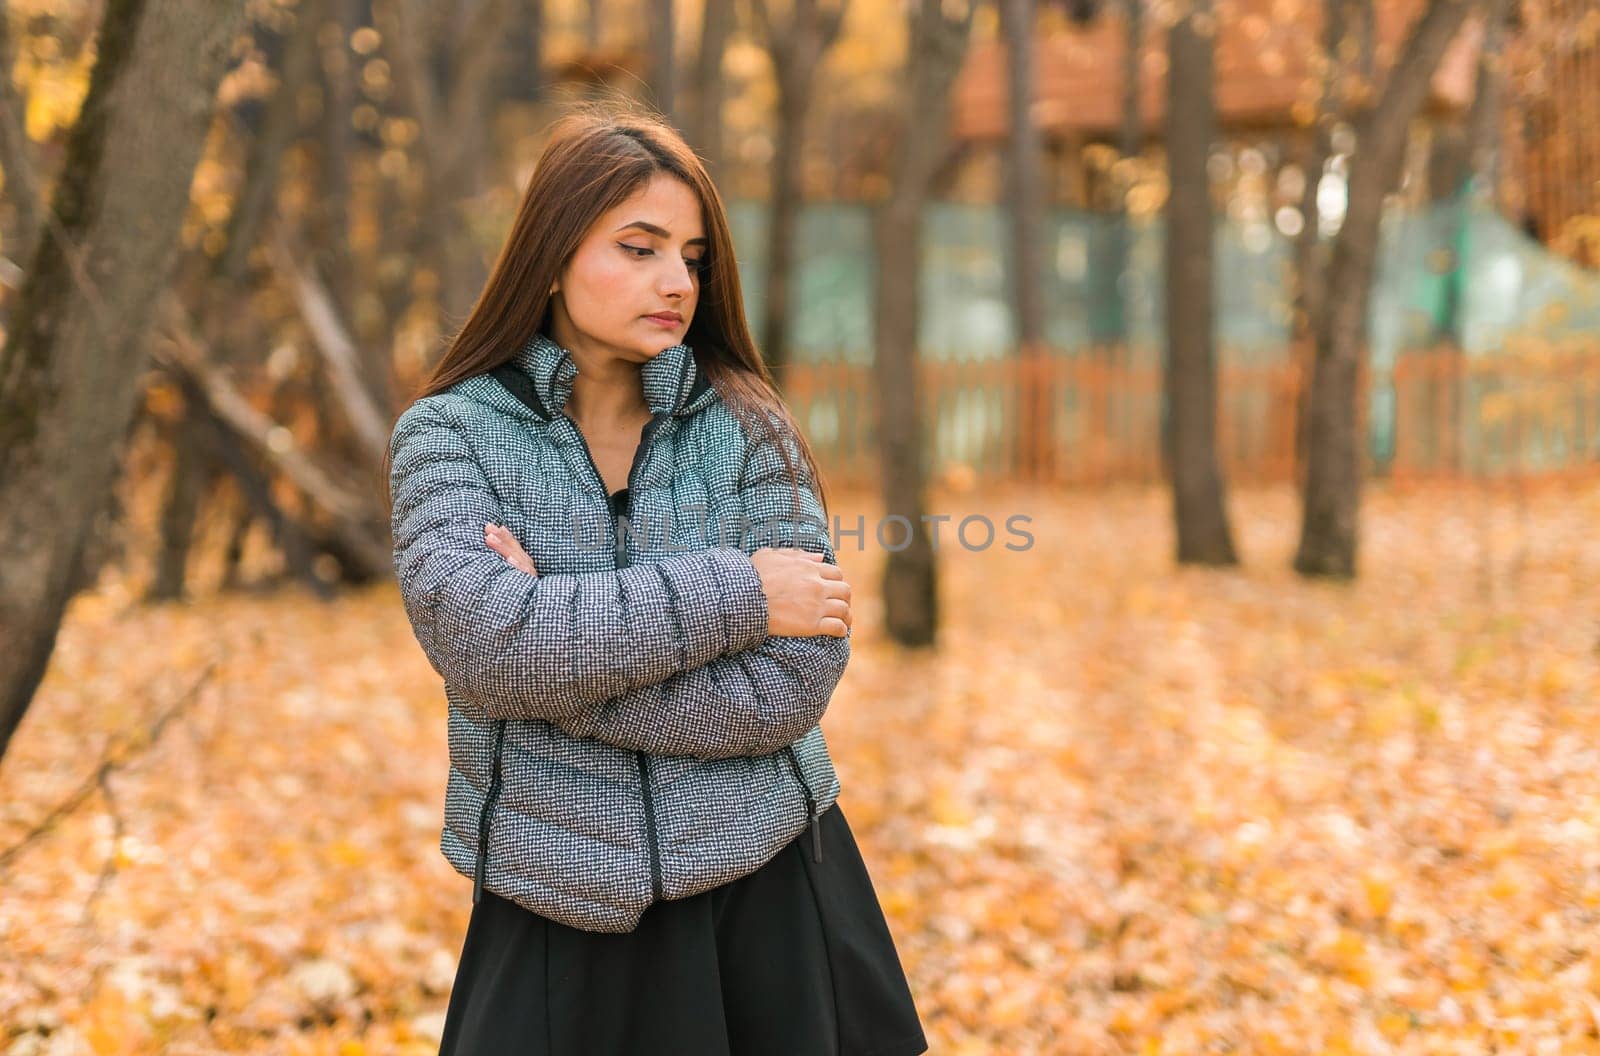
x,y
1385,794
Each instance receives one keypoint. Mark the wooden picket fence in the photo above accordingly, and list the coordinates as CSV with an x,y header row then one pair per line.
x,y
1094,418
1532,411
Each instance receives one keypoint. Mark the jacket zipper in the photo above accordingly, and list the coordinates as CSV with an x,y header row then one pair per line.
x,y
811,804
621,560
483,818
650,823
620,551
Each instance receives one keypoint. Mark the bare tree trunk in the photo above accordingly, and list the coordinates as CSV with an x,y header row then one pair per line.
x,y
233,551
180,507
1022,161
524,65
663,58
783,218
255,490
1198,504
1447,159
194,443
1310,254
910,582
1328,536
715,27
453,112
1130,137
1484,120
278,130
1022,172
329,222
393,285
1472,175
16,153
1470,181
69,371
1318,147
1109,325
106,545
797,47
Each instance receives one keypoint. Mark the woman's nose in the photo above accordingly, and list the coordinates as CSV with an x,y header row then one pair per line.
x,y
677,282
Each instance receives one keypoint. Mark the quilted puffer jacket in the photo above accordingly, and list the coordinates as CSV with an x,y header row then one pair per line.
x,y
622,728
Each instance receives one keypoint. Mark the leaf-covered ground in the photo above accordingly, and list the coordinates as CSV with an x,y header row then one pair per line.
x,y
1123,808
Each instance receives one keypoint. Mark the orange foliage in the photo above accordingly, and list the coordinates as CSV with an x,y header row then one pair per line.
x,y
1123,808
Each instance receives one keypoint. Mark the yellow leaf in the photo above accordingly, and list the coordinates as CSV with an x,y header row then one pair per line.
x,y
1380,893
1394,1025
343,852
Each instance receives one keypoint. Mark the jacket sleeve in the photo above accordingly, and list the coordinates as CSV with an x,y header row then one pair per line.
x,y
546,646
756,700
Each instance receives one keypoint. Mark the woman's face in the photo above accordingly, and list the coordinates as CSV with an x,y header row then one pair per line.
x,y
631,287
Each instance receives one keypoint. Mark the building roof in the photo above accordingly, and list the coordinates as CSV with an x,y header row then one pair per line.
x,y
1266,57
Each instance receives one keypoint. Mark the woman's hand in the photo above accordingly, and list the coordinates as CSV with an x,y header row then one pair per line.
x,y
502,542
805,594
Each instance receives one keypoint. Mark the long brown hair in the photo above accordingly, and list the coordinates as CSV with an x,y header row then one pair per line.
x,y
598,155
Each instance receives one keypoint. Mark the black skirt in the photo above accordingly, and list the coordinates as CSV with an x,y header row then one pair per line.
x,y
794,959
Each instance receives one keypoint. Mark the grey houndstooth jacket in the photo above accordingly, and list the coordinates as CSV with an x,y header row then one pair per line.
x,y
622,728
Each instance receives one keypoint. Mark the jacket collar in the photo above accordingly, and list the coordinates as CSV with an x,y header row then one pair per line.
x,y
540,375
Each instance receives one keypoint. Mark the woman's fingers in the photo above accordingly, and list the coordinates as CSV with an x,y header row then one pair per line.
x,y
795,607
836,592
502,542
794,551
833,626
507,549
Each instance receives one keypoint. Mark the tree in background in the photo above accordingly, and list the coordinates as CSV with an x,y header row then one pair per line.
x,y
706,131
1130,144
663,58
447,78
798,40
1198,504
938,41
1023,171
1332,500
1467,176
75,350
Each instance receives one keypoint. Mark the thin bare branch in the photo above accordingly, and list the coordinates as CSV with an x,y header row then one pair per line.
x,y
332,338
185,352
116,757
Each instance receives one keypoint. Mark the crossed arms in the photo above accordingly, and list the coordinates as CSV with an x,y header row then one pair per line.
x,y
672,658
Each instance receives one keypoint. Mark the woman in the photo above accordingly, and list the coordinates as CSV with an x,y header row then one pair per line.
x,y
638,784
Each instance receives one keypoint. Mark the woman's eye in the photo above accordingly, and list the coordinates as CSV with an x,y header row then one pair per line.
x,y
699,265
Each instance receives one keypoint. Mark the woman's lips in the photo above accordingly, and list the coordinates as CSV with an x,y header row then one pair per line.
x,y
665,320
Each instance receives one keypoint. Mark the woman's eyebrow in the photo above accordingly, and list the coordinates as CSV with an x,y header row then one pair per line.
x,y
661,232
